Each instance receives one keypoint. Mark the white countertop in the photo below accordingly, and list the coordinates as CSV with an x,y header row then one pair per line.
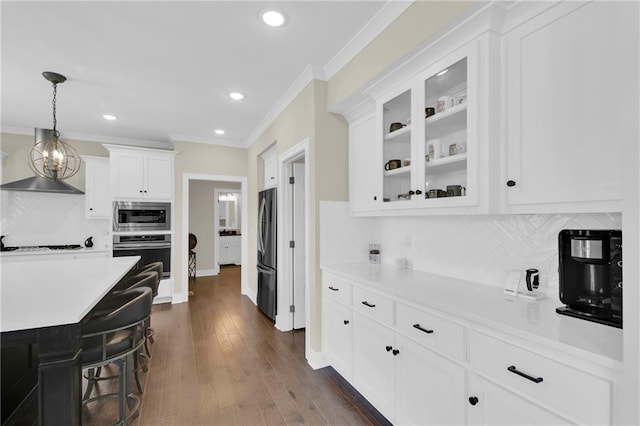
x,y
45,252
44,293
536,321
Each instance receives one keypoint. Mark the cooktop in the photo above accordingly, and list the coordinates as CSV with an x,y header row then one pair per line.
x,y
41,248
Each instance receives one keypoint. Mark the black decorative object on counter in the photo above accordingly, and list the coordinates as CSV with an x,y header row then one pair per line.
x,y
88,242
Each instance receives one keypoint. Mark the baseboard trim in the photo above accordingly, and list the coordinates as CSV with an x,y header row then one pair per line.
x,y
162,299
316,359
206,273
252,296
180,298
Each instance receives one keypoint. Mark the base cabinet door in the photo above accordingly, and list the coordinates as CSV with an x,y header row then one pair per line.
x,y
374,363
430,390
338,342
490,404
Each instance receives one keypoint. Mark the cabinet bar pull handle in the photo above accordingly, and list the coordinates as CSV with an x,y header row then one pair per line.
x,y
365,303
422,329
333,288
511,183
512,368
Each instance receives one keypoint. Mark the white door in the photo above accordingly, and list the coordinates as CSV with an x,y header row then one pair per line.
x,y
338,336
571,73
490,404
159,177
298,219
430,390
373,363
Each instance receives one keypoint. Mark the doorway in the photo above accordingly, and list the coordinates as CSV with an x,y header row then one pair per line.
x,y
227,228
293,242
211,182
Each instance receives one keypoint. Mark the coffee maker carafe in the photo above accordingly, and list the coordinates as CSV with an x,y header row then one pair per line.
x,y
590,272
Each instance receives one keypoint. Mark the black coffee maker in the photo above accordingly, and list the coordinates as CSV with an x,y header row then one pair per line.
x,y
590,269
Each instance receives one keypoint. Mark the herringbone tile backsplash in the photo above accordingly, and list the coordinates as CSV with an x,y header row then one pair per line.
x,y
479,248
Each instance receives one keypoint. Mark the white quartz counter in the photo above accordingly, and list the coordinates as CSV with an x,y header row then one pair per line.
x,y
480,304
43,252
46,292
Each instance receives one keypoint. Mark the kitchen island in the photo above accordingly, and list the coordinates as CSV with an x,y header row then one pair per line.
x,y
44,302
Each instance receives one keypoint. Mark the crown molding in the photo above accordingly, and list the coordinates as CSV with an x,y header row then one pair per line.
x,y
85,137
231,143
381,20
310,73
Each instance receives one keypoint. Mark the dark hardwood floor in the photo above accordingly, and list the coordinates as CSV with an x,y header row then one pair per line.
x,y
218,360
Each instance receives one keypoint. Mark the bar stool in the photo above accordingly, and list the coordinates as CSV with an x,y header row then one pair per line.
x,y
193,242
114,338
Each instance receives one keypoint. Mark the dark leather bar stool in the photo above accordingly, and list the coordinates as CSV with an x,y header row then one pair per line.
x,y
114,338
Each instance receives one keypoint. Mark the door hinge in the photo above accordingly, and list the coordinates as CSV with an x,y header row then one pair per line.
x,y
292,244
292,180
292,308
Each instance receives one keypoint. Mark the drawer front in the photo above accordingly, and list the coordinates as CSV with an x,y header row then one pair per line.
x,y
568,391
373,305
431,330
336,289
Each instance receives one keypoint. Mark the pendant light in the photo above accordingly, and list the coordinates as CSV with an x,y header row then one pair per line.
x,y
51,157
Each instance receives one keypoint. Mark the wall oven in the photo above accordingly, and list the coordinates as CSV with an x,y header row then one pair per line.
x,y
150,248
141,216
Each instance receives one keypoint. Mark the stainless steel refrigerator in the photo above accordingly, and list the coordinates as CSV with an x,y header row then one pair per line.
x,y
267,276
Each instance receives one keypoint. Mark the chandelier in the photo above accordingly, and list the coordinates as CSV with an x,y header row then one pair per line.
x,y
51,157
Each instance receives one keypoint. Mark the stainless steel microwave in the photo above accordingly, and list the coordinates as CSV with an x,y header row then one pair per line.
x,y
141,216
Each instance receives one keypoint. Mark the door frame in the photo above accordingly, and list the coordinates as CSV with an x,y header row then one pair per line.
x,y
186,178
285,279
216,225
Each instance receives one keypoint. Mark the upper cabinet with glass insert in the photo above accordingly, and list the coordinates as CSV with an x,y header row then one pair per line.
x,y
435,150
397,145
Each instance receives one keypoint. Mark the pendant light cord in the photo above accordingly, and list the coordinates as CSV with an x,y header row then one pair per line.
x,y
55,91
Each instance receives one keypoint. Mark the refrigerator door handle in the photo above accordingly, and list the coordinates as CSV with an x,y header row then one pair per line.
x,y
266,271
263,208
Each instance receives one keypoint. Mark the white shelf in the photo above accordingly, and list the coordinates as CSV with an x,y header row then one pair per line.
x,y
452,120
398,171
403,134
447,164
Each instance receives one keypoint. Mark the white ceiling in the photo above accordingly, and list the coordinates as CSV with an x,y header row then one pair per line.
x,y
164,68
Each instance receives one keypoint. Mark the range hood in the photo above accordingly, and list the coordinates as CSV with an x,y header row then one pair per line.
x,y
40,184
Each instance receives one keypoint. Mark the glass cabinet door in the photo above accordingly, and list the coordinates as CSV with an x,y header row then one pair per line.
x,y
397,148
445,141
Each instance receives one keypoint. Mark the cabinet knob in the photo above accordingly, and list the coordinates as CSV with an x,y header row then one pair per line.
x,y
511,183
145,191
91,209
346,322
395,352
412,192
473,400
418,192
141,191
388,348
375,198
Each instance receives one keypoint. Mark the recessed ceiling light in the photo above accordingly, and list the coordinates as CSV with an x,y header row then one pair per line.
x,y
236,96
273,18
109,117
219,132
443,72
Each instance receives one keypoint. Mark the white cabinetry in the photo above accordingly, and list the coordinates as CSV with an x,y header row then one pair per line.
x,y
364,178
571,107
430,388
270,162
490,404
337,321
230,250
97,187
141,174
419,365
434,138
